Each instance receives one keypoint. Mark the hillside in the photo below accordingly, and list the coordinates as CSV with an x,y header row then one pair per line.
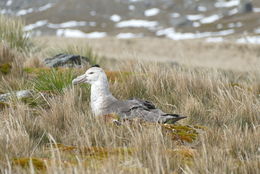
x,y
175,19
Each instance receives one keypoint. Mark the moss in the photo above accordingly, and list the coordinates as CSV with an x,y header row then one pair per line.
x,y
96,152
37,163
5,68
181,133
40,163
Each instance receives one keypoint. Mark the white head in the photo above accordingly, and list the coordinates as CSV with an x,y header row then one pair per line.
x,y
92,75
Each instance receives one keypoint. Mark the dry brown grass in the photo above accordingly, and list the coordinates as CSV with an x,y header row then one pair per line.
x,y
196,53
56,132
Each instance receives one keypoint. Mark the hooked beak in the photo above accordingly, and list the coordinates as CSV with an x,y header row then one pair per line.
x,y
79,79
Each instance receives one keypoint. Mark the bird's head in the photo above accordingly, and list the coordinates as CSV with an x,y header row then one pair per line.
x,y
91,76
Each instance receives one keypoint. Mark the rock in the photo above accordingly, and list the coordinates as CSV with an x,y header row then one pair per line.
x,y
66,60
181,22
18,94
245,6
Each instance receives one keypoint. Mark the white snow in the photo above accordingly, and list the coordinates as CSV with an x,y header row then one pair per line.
x,y
172,34
195,17
131,7
227,4
233,12
151,12
233,25
202,8
35,25
96,35
256,10
93,13
128,35
257,30
137,23
79,34
45,7
68,24
115,18
249,39
92,24
175,15
210,19
9,2
215,39
196,24
24,12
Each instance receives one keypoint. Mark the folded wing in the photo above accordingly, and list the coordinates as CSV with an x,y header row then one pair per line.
x,y
142,109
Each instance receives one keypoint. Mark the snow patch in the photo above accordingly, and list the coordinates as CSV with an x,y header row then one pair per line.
x,y
210,19
79,34
233,12
256,10
135,23
45,7
172,34
249,40
257,30
195,17
128,35
151,12
9,2
131,7
115,18
24,12
227,4
175,15
68,24
93,13
35,25
202,8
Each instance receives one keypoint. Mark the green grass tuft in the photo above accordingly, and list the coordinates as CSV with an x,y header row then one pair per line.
x,y
54,81
11,32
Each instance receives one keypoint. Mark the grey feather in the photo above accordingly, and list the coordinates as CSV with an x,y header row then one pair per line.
x,y
137,108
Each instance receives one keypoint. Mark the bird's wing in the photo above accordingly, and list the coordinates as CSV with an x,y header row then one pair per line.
x,y
142,109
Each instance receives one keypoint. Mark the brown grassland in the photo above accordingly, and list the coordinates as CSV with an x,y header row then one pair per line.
x,y
216,85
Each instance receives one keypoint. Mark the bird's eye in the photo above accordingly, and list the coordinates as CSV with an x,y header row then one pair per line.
x,y
91,73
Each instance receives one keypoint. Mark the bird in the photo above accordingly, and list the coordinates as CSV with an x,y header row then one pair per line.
x,y
104,103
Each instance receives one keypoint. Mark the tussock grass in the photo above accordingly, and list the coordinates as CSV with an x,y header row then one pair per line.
x,y
53,80
11,33
55,131
230,115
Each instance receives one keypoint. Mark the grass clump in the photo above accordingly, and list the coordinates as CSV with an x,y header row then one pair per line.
x,y
5,68
11,32
54,80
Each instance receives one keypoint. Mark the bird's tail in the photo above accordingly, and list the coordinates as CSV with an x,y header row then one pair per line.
x,y
171,118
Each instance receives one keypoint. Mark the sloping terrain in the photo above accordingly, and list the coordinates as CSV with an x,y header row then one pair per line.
x,y
47,125
175,19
